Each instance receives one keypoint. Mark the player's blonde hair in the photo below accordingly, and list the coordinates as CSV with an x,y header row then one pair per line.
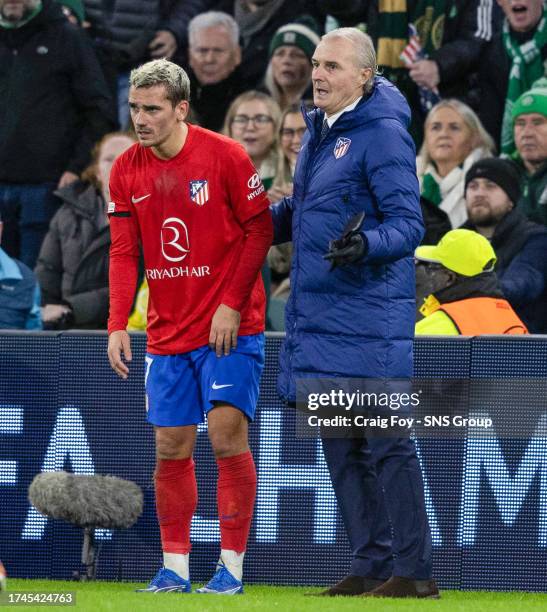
x,y
166,73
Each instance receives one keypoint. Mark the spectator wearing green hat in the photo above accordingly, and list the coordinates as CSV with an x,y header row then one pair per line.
x,y
465,298
288,76
530,131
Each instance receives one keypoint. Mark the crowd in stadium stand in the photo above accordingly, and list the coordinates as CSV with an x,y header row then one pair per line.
x,y
472,71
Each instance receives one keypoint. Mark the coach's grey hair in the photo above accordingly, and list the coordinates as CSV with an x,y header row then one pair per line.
x,y
214,19
163,72
364,49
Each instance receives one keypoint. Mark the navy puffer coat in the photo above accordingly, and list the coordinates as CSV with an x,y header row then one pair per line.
x,y
358,320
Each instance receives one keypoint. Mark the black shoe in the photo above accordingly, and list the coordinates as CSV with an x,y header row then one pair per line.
x,y
352,585
397,586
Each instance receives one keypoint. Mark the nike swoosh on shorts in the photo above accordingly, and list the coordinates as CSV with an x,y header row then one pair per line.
x,y
215,386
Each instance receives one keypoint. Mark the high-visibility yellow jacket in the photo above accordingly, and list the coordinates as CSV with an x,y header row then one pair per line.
x,y
469,317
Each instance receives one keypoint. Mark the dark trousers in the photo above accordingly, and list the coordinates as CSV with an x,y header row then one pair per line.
x,y
26,211
379,488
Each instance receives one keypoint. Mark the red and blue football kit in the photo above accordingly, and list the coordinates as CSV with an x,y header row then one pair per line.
x,y
202,220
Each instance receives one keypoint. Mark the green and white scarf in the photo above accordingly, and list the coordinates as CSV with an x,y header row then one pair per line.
x,y
527,67
431,190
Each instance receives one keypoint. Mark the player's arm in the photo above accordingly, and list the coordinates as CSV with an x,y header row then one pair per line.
x,y
225,324
251,209
123,272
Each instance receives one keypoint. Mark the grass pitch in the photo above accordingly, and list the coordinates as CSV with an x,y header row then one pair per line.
x,y
120,597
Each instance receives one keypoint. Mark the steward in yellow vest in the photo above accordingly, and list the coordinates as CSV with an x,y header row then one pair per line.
x,y
465,296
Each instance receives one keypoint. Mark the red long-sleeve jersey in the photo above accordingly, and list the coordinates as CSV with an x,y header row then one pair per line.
x,y
203,222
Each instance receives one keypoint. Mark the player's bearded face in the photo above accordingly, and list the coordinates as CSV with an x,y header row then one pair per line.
x,y
153,114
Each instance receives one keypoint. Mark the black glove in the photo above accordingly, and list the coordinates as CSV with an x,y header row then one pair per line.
x,y
351,247
346,251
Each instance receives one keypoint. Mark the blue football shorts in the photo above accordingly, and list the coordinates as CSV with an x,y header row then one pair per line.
x,y
181,389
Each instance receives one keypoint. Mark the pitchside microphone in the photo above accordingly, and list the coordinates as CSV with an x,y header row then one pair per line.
x,y
89,502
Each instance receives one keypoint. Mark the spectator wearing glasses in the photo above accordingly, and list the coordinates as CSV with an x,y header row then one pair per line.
x,y
253,120
214,56
288,76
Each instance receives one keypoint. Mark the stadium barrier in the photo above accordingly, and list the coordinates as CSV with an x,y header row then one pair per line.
x,y
61,407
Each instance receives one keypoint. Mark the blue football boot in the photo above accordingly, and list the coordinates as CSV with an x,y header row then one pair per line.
x,y
167,581
222,583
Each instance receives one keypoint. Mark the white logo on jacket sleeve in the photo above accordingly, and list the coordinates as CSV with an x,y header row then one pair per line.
x,y
256,184
175,244
111,208
341,147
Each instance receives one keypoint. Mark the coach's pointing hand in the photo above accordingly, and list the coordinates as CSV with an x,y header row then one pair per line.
x,y
224,328
119,344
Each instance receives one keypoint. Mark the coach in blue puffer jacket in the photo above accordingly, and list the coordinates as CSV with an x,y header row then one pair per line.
x,y
361,316
357,321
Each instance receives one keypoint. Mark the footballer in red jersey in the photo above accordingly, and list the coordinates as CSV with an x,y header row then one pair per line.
x,y
193,201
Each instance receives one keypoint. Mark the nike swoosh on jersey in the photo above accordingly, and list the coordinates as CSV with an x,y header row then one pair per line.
x,y
215,386
137,200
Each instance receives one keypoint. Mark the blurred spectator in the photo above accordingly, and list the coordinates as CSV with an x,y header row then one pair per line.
x,y
55,105
465,297
530,129
214,56
451,34
253,120
126,34
258,21
73,264
510,64
74,11
291,132
454,140
288,76
19,294
292,128
492,188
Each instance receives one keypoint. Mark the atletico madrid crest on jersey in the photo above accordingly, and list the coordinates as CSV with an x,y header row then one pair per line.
x,y
341,147
199,192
